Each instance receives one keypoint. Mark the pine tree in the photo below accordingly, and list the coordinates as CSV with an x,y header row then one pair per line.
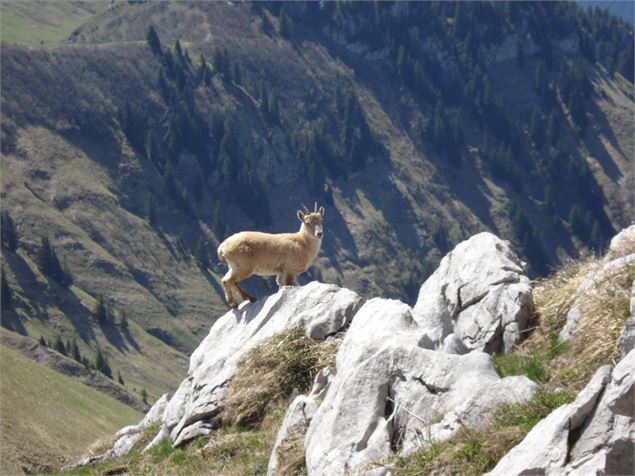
x,y
200,253
101,363
74,351
49,263
283,23
59,346
8,231
536,129
124,321
6,295
553,127
151,209
153,41
120,378
596,241
144,396
101,311
272,107
42,341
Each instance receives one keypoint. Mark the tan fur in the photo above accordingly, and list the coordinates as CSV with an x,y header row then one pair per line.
x,y
285,255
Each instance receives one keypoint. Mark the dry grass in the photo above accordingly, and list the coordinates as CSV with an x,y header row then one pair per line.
x,y
274,372
291,459
554,296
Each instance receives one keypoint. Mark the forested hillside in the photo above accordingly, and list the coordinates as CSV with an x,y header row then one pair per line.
x,y
154,130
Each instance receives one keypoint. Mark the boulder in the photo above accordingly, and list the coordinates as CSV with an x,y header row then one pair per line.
x,y
593,435
622,239
546,446
391,389
296,421
594,277
626,340
321,309
480,292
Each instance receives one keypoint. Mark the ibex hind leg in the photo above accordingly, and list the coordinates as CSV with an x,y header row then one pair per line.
x,y
227,287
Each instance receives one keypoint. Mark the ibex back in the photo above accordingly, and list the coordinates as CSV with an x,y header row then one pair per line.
x,y
285,255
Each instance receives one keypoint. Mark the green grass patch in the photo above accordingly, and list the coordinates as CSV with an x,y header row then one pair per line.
x,y
39,23
534,367
476,451
52,415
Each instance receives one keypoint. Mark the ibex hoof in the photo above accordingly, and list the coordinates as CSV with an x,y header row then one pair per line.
x,y
252,299
233,305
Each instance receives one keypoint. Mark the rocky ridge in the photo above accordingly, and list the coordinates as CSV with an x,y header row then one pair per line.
x,y
405,377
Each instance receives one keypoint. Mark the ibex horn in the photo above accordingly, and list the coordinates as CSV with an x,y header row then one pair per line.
x,y
306,210
315,211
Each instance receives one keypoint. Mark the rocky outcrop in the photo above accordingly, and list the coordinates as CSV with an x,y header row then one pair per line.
x,y
592,435
296,422
406,377
320,309
393,393
626,340
479,293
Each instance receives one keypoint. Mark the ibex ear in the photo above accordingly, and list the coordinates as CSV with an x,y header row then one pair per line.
x,y
321,211
300,216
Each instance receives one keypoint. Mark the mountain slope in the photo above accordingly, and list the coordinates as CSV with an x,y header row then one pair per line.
x,y
415,124
53,416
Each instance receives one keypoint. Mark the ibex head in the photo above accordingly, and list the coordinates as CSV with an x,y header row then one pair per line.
x,y
313,221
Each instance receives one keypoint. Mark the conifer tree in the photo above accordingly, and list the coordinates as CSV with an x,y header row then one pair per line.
x,y
153,41
6,295
101,363
283,23
8,231
120,378
49,263
200,253
151,210
42,341
101,311
74,351
124,321
59,346
144,396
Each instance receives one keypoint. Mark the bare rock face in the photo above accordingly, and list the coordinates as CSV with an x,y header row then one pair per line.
x,y
480,293
391,389
320,308
626,340
593,435
297,419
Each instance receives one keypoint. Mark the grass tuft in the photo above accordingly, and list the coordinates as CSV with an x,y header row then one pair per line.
x,y
274,372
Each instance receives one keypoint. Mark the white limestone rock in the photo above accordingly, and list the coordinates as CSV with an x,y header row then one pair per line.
x,y
622,238
545,448
626,340
321,309
480,293
620,395
391,387
297,419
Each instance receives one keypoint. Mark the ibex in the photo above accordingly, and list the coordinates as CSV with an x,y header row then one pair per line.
x,y
284,255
